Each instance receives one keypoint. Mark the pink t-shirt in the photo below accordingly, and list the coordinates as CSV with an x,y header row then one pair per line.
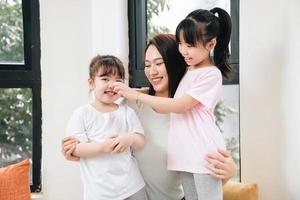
x,y
194,133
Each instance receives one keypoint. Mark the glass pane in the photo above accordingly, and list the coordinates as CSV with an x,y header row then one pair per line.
x,y
227,119
163,16
15,125
11,34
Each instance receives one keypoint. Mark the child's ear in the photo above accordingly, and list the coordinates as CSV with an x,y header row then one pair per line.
x,y
212,43
91,83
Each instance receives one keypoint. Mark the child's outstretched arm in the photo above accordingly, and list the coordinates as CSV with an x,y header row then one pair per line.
x,y
160,104
91,149
167,105
123,141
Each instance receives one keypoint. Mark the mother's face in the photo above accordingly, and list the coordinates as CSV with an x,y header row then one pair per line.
x,y
156,72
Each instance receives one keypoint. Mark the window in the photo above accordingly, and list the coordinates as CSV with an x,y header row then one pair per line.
x,y
150,17
20,85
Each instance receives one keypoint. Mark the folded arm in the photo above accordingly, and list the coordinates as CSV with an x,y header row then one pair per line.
x,y
73,150
91,149
68,145
134,140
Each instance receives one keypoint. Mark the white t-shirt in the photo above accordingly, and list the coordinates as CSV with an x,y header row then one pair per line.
x,y
107,176
161,184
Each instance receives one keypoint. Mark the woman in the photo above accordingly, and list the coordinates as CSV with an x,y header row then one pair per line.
x,y
164,68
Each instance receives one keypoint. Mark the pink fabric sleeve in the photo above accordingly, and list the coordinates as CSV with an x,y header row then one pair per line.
x,y
207,88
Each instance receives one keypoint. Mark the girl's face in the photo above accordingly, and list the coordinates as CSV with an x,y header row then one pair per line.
x,y
102,87
156,71
196,56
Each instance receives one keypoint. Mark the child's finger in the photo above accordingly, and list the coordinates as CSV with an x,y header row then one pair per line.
x,y
73,158
67,142
116,87
66,148
117,148
123,149
113,145
69,139
70,151
120,93
116,142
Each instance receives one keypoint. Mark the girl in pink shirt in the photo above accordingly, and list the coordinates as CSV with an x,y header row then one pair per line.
x,y
193,132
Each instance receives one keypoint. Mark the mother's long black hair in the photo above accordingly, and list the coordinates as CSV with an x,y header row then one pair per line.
x,y
175,65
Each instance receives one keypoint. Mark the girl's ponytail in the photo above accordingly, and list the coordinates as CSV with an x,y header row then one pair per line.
x,y
221,51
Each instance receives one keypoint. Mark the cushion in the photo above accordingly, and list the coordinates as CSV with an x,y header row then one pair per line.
x,y
240,191
14,181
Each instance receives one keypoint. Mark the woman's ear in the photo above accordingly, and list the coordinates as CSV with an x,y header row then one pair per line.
x,y
91,84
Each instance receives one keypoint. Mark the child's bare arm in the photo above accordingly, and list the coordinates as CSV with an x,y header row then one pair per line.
x,y
167,105
68,145
123,141
91,149
138,141
160,104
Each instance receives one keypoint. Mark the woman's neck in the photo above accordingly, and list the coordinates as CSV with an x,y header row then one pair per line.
x,y
162,94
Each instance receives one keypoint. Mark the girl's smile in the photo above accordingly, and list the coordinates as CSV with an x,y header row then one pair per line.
x,y
102,87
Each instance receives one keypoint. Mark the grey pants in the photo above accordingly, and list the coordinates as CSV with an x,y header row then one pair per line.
x,y
201,186
140,195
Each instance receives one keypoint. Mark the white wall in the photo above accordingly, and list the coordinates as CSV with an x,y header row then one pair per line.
x,y
72,32
269,66
290,101
110,28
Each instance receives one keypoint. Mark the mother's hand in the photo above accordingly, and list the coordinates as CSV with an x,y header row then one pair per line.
x,y
221,165
68,145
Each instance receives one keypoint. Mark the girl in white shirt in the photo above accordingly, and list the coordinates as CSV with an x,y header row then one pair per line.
x,y
107,132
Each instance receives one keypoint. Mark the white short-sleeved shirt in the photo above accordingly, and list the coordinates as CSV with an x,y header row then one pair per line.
x,y
107,176
194,133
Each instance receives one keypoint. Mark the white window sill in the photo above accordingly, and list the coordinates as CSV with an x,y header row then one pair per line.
x,y
37,196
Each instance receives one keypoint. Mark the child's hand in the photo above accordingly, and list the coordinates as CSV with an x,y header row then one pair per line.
x,y
108,145
68,146
122,142
125,91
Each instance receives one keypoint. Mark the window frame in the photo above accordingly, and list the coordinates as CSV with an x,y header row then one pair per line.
x,y
137,21
28,75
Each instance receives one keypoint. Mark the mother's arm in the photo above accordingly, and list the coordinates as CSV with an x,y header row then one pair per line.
x,y
221,165
68,145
